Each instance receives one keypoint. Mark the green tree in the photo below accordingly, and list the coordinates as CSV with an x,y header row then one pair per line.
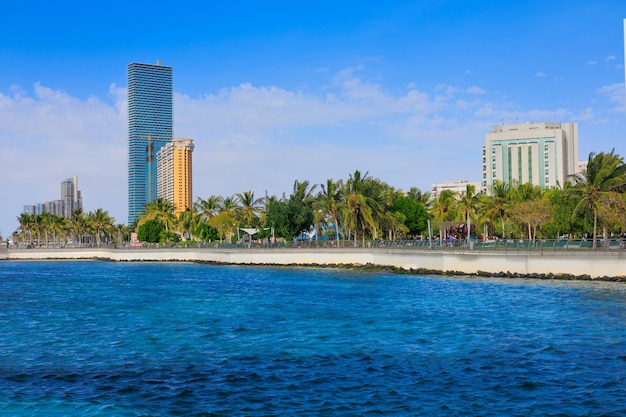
x,y
26,226
207,233
444,207
468,205
209,207
425,199
329,202
562,207
160,210
150,231
359,207
415,215
605,173
187,222
225,224
498,204
100,222
249,207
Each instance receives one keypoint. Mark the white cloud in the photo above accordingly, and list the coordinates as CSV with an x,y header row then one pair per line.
x,y
540,75
592,62
615,94
248,137
475,90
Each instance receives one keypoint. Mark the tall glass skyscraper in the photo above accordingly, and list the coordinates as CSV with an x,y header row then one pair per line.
x,y
150,120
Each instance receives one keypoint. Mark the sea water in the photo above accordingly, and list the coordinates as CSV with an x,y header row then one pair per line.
x,y
158,339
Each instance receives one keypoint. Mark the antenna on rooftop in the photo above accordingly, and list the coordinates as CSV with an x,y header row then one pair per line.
x,y
159,63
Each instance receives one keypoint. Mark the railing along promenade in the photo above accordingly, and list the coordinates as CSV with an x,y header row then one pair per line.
x,y
538,246
510,257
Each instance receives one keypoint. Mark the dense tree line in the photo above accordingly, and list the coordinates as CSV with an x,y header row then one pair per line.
x,y
363,207
48,229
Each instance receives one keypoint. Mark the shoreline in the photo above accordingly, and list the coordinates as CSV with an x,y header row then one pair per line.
x,y
551,265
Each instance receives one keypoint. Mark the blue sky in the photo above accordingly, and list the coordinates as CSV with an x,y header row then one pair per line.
x,y
276,92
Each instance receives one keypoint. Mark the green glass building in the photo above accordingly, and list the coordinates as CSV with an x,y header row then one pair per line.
x,y
150,121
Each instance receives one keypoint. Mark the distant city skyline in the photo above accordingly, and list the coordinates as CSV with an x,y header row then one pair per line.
x,y
71,199
278,92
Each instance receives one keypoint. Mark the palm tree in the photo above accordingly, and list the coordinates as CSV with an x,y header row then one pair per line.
x,y
26,227
359,207
468,204
100,222
605,173
248,206
78,225
161,211
303,192
46,225
499,203
209,207
59,227
329,202
423,198
229,205
187,222
444,206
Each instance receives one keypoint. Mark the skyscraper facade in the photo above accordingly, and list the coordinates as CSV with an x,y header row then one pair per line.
x,y
174,167
70,195
543,154
150,127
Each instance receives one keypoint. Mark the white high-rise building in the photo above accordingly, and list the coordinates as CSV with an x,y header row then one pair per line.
x,y
70,196
544,154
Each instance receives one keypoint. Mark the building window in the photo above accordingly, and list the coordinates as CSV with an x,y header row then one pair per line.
x,y
547,172
545,147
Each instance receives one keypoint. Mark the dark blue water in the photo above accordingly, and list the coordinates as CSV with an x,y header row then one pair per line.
x,y
135,339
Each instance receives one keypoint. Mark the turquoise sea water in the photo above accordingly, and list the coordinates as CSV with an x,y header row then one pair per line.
x,y
152,339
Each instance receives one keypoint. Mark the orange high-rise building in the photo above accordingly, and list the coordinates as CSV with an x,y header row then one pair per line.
x,y
174,169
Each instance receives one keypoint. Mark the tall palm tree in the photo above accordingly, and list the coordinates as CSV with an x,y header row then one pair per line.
x,y
468,204
59,227
424,198
329,202
209,207
605,173
359,207
187,223
159,210
100,221
303,192
46,224
26,227
248,206
78,225
229,205
444,206
499,203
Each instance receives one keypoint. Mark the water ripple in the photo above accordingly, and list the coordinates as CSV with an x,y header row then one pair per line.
x,y
101,339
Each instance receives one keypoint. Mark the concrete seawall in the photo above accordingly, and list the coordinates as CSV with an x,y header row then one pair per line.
x,y
573,264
